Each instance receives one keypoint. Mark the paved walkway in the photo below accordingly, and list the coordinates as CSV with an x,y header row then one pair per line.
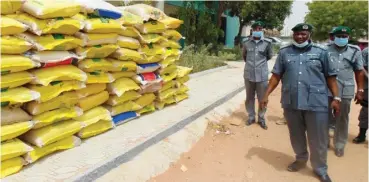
x,y
98,155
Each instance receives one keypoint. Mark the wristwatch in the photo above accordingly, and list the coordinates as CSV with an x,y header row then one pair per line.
x,y
360,90
337,99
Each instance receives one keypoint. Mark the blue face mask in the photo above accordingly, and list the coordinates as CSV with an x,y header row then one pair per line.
x,y
340,41
257,34
304,44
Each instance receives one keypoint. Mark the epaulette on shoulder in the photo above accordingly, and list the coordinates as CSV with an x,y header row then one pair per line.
x,y
268,40
321,46
285,46
354,46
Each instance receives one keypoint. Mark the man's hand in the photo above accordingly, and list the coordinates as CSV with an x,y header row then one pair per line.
x,y
359,97
264,102
335,105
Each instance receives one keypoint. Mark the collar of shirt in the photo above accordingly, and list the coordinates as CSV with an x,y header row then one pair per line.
x,y
340,50
257,41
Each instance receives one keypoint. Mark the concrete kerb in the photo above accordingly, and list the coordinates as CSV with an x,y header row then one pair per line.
x,y
202,73
102,169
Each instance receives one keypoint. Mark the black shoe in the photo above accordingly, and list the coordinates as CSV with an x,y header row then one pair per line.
x,y
324,178
250,122
296,166
359,139
263,125
339,152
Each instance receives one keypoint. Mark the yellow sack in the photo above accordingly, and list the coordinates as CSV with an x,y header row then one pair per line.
x,y
54,116
167,61
183,80
65,100
52,133
16,63
11,115
56,88
13,148
170,69
58,73
146,12
130,19
99,77
55,42
168,76
123,74
91,89
172,35
123,65
63,144
124,107
10,26
181,97
166,94
152,49
96,24
97,51
95,64
96,129
45,9
147,109
124,54
15,79
130,32
93,100
15,130
146,99
11,166
127,96
183,71
91,39
14,45
168,85
10,6
171,23
93,116
172,52
17,96
182,90
151,27
122,85
170,43
128,42
161,104
151,38
66,26
151,59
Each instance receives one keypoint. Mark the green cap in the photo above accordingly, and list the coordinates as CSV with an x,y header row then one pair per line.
x,y
341,30
258,23
302,27
331,32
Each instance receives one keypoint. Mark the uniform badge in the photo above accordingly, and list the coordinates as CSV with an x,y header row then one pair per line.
x,y
343,30
305,27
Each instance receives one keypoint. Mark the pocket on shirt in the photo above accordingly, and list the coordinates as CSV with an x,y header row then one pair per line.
x,y
286,95
318,96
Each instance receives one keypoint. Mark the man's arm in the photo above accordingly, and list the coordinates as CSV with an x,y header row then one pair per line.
x,y
269,51
244,52
358,69
332,85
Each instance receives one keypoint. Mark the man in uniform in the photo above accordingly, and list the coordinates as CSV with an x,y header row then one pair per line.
x,y
307,73
363,116
349,63
256,52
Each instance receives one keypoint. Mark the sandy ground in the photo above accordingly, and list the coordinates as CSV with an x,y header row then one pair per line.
x,y
252,154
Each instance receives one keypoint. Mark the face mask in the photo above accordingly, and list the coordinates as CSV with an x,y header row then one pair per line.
x,y
304,44
341,41
257,34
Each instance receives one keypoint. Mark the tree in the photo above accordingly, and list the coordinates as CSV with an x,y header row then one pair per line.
x,y
324,15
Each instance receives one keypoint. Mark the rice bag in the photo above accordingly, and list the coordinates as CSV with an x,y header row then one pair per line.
x,y
183,71
129,19
13,148
96,64
15,130
63,144
130,32
49,134
91,89
146,12
145,99
180,97
125,117
66,26
18,95
152,49
96,129
147,109
97,51
59,73
99,77
161,104
123,65
171,23
151,38
147,68
14,45
100,8
11,115
128,42
167,61
182,90
64,100
166,94
10,26
93,116
147,78
123,74
17,79
92,101
183,80
96,24
172,35
152,87
10,6
151,27
53,58
45,9
170,43
127,96
122,85
124,107
54,116
127,55
11,166
168,85
16,63
56,42
56,88
91,39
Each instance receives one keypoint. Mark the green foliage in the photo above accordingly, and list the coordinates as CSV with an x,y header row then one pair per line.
x,y
234,54
199,59
324,15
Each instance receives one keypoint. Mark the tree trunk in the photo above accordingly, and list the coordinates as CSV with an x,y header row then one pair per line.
x,y
221,9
